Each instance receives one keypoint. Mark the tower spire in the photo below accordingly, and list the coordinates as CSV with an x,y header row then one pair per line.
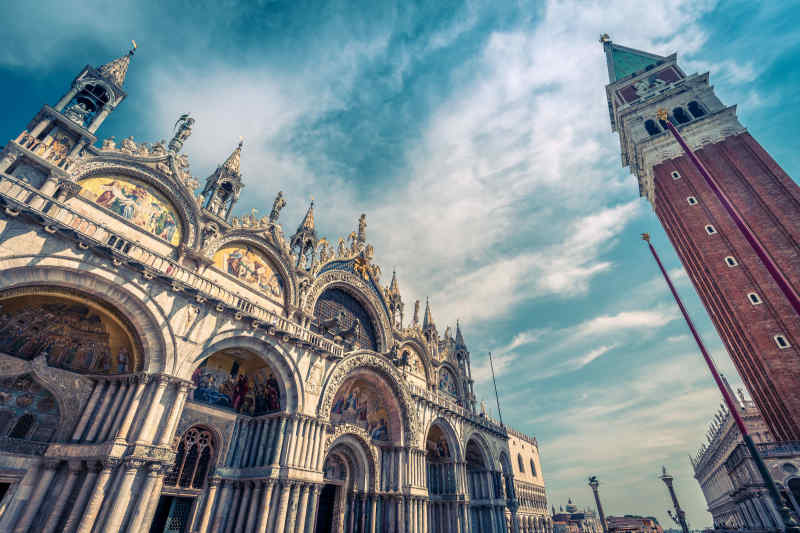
x,y
224,185
427,320
304,241
116,70
623,61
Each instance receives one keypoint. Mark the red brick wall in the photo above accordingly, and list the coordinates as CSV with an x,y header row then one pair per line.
x,y
770,203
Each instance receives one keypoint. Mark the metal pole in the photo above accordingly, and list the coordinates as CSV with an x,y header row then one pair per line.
x,y
496,397
594,484
755,243
788,521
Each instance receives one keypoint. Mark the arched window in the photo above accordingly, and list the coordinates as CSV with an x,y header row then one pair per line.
x,y
695,109
193,461
533,468
22,427
680,115
521,464
650,126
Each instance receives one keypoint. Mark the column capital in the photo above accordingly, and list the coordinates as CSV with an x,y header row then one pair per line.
x,y
134,463
162,380
109,463
51,464
75,466
214,481
155,469
317,489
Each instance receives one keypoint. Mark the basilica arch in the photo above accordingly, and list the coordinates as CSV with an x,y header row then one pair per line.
x,y
145,319
442,457
367,363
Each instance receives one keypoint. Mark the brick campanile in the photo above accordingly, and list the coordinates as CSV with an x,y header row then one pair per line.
x,y
755,320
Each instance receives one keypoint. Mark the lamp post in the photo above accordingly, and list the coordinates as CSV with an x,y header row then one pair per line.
x,y
594,484
790,526
680,517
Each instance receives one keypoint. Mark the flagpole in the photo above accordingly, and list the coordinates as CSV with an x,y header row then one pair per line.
x,y
788,522
496,397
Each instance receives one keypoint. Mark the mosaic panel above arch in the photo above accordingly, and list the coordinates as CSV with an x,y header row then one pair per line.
x,y
136,202
72,331
338,304
239,380
366,401
251,266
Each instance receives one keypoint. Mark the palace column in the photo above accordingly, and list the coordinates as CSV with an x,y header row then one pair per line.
x,y
287,438
303,508
252,514
263,511
96,499
236,502
244,502
75,467
312,519
83,495
89,409
102,412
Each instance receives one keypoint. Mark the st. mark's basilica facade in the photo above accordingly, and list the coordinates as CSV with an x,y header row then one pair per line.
x,y
168,367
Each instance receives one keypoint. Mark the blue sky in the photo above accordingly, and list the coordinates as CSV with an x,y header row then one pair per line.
x,y
475,136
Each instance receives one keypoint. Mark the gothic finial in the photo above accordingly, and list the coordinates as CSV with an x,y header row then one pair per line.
x,y
459,337
427,320
393,285
234,160
308,221
277,205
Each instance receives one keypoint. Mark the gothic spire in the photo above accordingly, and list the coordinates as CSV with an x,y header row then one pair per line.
x,y
308,221
232,163
117,69
459,337
394,288
623,61
427,320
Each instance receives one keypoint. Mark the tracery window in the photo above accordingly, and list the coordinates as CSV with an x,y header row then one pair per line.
x,y
521,464
533,468
336,304
193,460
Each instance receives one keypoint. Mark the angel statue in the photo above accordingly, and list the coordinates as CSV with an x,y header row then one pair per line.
x,y
277,205
184,126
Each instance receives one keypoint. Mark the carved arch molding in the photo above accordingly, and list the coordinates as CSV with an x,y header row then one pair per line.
x,y
344,431
358,289
377,363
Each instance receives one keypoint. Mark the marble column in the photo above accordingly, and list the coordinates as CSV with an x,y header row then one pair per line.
x,y
233,510
49,468
64,101
286,439
244,505
154,411
96,498
83,495
131,408
107,108
113,412
277,439
221,507
123,495
102,411
74,468
302,510
174,415
252,513
263,511
97,391
373,509
283,503
312,516
295,443
205,518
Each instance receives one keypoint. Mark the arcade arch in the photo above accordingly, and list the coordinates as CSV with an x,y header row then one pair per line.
x,y
442,456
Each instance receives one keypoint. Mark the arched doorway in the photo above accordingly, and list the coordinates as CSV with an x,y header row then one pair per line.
x,y
186,480
441,457
484,487
347,502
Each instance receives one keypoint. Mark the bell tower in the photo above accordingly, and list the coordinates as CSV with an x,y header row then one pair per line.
x,y
45,151
755,320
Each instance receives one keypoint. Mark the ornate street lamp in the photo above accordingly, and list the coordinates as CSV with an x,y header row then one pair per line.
x,y
679,517
594,484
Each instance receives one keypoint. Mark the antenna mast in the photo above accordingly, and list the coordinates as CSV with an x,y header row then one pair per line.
x,y
496,397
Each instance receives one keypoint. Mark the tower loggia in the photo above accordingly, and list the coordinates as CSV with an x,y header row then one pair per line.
x,y
756,322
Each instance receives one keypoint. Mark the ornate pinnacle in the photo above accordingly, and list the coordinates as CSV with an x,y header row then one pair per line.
x,y
362,228
117,69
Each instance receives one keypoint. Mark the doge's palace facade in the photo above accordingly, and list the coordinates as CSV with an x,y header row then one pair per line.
x,y
167,367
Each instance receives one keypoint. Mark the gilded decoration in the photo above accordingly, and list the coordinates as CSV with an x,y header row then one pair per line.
x,y
237,380
136,202
251,266
72,333
371,362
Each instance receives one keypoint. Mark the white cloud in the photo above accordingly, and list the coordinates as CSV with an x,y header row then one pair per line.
x,y
638,320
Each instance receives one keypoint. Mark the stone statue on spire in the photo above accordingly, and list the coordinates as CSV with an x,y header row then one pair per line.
x,y
277,205
362,229
184,130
